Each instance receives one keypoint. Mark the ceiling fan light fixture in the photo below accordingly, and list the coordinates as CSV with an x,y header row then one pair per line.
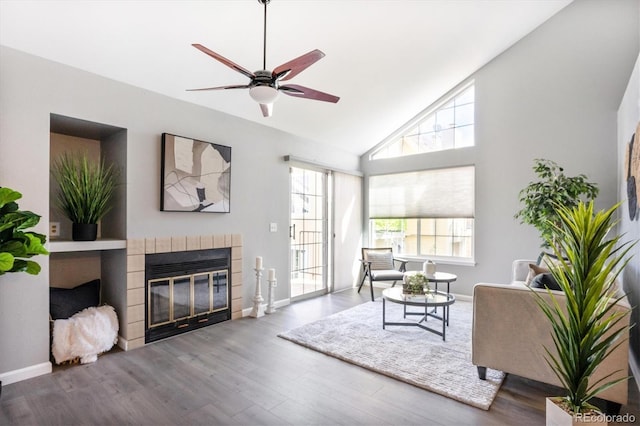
x,y
263,94
264,86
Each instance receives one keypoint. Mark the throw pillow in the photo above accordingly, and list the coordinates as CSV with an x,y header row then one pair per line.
x,y
65,302
548,260
534,270
545,280
380,260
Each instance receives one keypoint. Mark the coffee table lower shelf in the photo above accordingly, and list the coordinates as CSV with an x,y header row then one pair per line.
x,y
432,301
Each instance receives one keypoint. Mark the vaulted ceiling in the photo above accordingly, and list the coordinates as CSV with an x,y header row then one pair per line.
x,y
386,59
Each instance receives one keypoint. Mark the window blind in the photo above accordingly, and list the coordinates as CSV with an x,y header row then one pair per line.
x,y
444,193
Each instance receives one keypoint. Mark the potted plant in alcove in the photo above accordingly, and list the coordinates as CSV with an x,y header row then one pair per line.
x,y
587,327
17,243
553,189
86,190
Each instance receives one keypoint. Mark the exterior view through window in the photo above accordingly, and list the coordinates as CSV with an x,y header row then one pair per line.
x,y
449,125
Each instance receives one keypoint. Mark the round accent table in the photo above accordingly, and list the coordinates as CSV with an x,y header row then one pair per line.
x,y
424,301
437,278
443,277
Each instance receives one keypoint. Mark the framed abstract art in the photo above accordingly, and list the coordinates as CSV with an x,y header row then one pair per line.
x,y
195,175
632,174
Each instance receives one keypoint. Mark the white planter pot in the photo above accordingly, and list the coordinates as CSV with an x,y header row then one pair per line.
x,y
556,416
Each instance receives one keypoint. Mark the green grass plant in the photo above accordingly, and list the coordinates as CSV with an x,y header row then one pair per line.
x,y
589,329
86,187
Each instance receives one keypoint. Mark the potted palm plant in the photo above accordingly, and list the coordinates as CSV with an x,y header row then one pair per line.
x,y
588,327
553,188
85,193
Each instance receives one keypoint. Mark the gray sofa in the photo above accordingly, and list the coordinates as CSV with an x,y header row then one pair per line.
x,y
510,332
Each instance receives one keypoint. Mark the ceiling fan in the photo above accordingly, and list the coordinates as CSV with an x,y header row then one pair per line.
x,y
265,85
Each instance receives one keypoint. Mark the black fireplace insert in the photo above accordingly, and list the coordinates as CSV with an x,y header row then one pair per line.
x,y
186,290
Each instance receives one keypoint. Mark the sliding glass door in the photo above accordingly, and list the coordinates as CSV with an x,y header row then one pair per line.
x,y
308,229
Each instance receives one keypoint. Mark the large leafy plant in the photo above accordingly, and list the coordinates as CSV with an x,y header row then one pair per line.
x,y
17,244
588,330
86,187
541,198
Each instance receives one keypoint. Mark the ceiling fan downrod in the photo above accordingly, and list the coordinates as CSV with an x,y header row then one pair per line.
x,y
264,34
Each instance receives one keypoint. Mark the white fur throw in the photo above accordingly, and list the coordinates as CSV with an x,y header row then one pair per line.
x,y
85,335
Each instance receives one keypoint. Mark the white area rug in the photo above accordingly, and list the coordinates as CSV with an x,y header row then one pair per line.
x,y
409,354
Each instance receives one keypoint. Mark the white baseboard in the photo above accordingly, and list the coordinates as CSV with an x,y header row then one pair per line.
x,y
463,297
278,304
25,373
123,343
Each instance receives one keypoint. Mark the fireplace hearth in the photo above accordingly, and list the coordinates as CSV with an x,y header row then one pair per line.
x,y
185,291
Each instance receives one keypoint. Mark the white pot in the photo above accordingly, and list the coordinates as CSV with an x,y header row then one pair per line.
x,y
429,267
557,416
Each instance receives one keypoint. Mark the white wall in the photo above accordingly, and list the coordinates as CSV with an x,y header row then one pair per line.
x,y
552,95
628,120
31,88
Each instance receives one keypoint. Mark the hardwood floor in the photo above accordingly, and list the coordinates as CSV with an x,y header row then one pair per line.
x,y
240,373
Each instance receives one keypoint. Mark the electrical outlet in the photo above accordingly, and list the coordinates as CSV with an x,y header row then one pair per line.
x,y
54,229
273,227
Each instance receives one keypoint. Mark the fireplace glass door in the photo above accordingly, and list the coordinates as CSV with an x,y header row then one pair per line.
x,y
201,294
219,291
187,296
181,297
159,301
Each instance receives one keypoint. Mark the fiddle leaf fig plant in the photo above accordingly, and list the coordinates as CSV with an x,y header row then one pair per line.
x,y
17,243
541,198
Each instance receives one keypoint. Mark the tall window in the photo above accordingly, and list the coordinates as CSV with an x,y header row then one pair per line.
x,y
427,213
448,126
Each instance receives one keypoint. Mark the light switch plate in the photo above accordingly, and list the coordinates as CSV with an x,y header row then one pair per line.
x,y
273,227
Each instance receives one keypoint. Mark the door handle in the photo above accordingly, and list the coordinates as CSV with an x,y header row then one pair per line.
x,y
292,231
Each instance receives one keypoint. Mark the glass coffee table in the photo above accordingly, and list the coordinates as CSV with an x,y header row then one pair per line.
x,y
431,300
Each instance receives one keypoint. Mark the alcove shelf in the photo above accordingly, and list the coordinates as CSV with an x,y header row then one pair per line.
x,y
65,246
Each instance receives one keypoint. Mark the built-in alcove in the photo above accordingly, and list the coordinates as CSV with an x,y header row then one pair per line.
x,y
71,262
100,142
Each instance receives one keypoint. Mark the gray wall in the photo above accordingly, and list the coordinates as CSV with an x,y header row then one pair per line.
x,y
628,120
31,88
553,95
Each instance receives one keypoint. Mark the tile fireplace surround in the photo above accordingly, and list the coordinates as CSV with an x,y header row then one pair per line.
x,y
132,333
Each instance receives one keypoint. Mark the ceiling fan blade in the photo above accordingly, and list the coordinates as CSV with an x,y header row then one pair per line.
x,y
243,86
294,67
267,109
224,60
305,92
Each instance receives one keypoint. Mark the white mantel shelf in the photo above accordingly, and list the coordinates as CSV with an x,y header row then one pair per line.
x,y
62,246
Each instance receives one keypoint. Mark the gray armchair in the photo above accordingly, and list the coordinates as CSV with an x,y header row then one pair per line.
x,y
379,265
